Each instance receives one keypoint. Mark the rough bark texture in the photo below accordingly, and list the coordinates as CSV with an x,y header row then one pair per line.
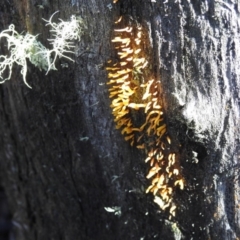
x,y
61,159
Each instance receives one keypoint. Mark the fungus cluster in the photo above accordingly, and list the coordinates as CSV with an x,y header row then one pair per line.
x,y
164,170
125,78
135,97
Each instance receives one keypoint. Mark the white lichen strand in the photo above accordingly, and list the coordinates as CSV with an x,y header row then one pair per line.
x,y
23,47
20,48
63,35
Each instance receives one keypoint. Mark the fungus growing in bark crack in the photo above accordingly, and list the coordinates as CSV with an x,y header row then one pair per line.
x,y
134,95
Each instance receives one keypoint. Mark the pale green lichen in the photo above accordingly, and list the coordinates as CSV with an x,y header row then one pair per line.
x,y
23,47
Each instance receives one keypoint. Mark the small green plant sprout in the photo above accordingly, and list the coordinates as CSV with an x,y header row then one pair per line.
x,y
23,47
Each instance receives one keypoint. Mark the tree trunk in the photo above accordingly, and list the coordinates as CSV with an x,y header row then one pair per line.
x,y
63,165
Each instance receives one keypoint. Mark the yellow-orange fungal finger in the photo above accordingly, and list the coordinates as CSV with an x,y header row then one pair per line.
x,y
111,82
151,113
166,206
114,88
161,181
160,131
158,201
122,80
117,39
137,41
180,183
115,81
126,87
126,130
170,190
165,197
151,153
152,162
168,140
137,51
140,137
122,40
129,59
138,61
123,63
172,210
149,188
154,122
113,75
173,158
127,49
155,180
159,158
124,71
142,146
139,34
147,91
126,29
145,96
155,190
149,104
128,121
112,68
113,94
149,130
148,159
154,170
123,54
136,106
116,107
145,64
120,101
120,124
117,110
136,129
121,114
162,146
156,106
120,19
175,171
112,91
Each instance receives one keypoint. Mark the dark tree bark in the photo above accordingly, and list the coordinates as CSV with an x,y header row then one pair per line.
x,y
62,160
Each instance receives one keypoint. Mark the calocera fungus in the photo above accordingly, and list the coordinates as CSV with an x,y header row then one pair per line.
x,y
132,94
